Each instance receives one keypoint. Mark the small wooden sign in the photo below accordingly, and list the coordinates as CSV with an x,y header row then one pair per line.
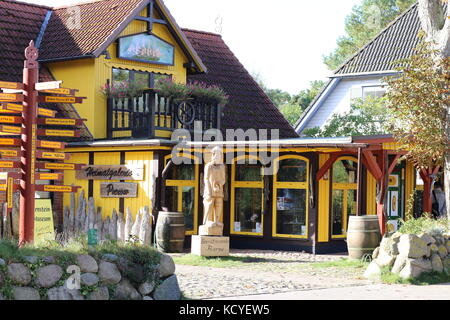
x,y
10,192
10,164
11,97
52,155
11,85
118,190
46,112
14,175
10,142
59,133
4,186
66,91
56,188
58,166
51,144
49,85
11,153
11,119
57,99
11,130
49,176
123,172
60,122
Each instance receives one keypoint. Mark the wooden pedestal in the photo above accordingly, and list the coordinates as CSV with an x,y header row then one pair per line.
x,y
209,246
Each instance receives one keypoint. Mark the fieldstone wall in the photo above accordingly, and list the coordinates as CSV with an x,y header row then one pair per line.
x,y
109,277
410,255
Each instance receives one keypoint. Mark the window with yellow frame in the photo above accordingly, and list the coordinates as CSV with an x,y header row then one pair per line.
x,y
182,193
344,191
247,197
290,197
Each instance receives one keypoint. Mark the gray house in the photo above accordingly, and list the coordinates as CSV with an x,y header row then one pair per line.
x,y
361,76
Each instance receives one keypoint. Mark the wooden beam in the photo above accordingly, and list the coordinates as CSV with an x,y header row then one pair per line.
x,y
359,194
327,165
372,165
394,164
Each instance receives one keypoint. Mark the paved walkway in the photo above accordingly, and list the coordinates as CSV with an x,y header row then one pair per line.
x,y
368,292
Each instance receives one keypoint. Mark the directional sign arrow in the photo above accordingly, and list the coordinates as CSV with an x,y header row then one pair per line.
x,y
55,188
60,122
52,155
10,164
14,175
11,130
11,119
10,142
50,144
59,133
11,85
65,91
46,112
4,97
11,108
4,187
55,99
59,166
50,85
49,176
10,153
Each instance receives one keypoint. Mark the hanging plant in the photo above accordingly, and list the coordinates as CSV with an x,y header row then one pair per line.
x,y
123,89
169,89
202,91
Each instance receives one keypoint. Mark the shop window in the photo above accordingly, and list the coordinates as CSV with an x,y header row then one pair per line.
x,y
343,194
181,193
247,190
290,194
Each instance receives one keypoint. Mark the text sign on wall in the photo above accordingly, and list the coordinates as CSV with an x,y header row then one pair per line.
x,y
118,190
146,48
124,172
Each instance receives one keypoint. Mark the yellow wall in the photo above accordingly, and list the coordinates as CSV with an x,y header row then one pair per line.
x,y
69,177
89,75
324,203
371,195
409,185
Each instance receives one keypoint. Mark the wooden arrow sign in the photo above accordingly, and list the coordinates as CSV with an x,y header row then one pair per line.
x,y
11,97
55,99
10,164
11,85
65,91
52,155
11,108
50,144
60,122
10,142
11,119
49,176
14,175
50,85
46,112
11,130
59,133
55,188
59,166
10,153
4,187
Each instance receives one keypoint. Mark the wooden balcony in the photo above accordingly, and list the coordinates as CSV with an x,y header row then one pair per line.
x,y
151,116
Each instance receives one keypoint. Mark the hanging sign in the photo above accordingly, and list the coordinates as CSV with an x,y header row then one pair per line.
x,y
11,97
56,99
50,85
43,220
118,190
123,172
11,85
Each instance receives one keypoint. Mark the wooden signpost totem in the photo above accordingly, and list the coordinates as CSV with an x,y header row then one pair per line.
x,y
19,117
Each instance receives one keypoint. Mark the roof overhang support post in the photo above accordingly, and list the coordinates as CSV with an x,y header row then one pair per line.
x,y
359,194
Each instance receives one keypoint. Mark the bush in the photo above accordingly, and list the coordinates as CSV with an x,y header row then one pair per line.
x,y
425,225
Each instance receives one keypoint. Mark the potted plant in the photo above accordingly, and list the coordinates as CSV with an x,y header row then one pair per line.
x,y
172,90
123,89
207,93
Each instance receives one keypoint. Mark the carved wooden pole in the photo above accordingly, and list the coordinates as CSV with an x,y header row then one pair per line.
x,y
27,184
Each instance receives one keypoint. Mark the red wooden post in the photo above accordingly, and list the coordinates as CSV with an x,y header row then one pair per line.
x,y
27,194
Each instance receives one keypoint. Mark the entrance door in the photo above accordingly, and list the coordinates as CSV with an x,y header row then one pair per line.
x,y
395,200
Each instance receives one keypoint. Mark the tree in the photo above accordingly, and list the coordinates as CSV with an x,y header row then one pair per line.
x,y
368,117
362,25
436,24
305,97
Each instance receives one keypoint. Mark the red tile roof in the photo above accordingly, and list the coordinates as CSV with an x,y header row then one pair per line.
x,y
248,107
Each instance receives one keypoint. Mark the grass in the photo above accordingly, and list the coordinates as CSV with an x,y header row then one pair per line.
x,y
424,279
425,224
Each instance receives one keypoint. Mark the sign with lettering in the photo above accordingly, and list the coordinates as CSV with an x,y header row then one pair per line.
x,y
10,153
52,155
49,176
11,130
66,91
11,108
60,122
49,85
43,221
11,119
50,144
56,188
58,166
118,190
123,172
11,97
56,99
11,85
205,246
46,112
10,142
59,133
10,164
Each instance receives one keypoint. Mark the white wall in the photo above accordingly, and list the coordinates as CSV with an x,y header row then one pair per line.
x,y
338,101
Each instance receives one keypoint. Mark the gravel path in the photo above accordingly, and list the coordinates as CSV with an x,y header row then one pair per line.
x,y
272,272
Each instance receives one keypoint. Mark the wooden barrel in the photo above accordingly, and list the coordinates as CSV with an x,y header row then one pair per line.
x,y
170,232
363,236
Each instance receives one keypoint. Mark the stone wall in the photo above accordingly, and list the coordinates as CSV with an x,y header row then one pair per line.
x,y
410,255
101,277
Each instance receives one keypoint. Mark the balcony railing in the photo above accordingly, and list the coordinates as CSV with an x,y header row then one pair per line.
x,y
151,116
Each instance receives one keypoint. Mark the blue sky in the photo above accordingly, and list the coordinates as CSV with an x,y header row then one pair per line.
x,y
284,44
